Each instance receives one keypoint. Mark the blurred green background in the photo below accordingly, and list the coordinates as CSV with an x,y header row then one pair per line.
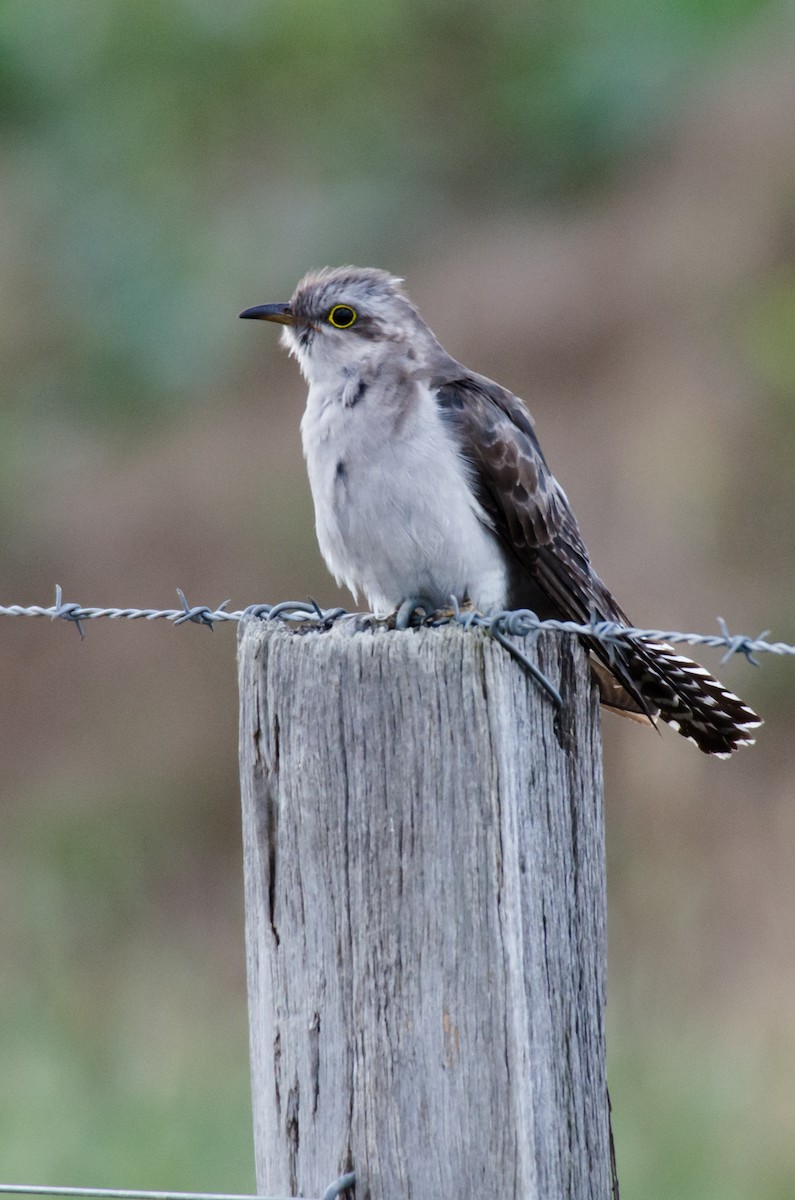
x,y
594,203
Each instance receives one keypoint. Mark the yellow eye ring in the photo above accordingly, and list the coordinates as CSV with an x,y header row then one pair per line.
x,y
342,316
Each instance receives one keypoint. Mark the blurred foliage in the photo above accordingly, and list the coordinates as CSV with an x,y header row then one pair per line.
x,y
156,155
698,1128
165,162
122,1055
770,321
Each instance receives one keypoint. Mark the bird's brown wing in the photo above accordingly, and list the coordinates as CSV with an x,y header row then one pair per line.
x,y
531,517
529,512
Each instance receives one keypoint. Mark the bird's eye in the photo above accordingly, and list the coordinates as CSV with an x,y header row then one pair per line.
x,y
342,316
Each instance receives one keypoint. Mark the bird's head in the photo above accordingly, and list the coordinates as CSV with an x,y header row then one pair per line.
x,y
341,318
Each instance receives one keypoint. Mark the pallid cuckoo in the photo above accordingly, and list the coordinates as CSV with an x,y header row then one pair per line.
x,y
428,480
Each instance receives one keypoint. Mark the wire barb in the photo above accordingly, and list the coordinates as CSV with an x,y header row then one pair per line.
x,y
201,614
68,612
740,644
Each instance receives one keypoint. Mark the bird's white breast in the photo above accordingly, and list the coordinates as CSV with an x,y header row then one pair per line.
x,y
395,512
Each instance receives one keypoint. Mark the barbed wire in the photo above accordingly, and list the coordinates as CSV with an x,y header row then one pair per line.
x,y
334,1190
523,623
414,612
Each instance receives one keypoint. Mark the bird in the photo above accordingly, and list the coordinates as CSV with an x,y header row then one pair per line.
x,y
428,480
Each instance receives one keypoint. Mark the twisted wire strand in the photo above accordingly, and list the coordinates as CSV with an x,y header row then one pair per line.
x,y
518,623
334,1189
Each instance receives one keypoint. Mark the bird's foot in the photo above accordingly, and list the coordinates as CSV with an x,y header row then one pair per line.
x,y
416,610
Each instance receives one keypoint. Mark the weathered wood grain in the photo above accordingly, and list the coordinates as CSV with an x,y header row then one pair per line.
x,y
425,916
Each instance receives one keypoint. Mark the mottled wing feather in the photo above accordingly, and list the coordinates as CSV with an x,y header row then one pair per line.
x,y
527,506
551,572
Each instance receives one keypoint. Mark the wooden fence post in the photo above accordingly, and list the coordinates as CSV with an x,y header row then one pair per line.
x,y
425,916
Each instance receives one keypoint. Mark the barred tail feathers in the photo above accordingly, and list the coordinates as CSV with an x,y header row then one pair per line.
x,y
684,695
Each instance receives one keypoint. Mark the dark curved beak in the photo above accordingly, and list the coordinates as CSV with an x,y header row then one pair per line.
x,y
280,313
